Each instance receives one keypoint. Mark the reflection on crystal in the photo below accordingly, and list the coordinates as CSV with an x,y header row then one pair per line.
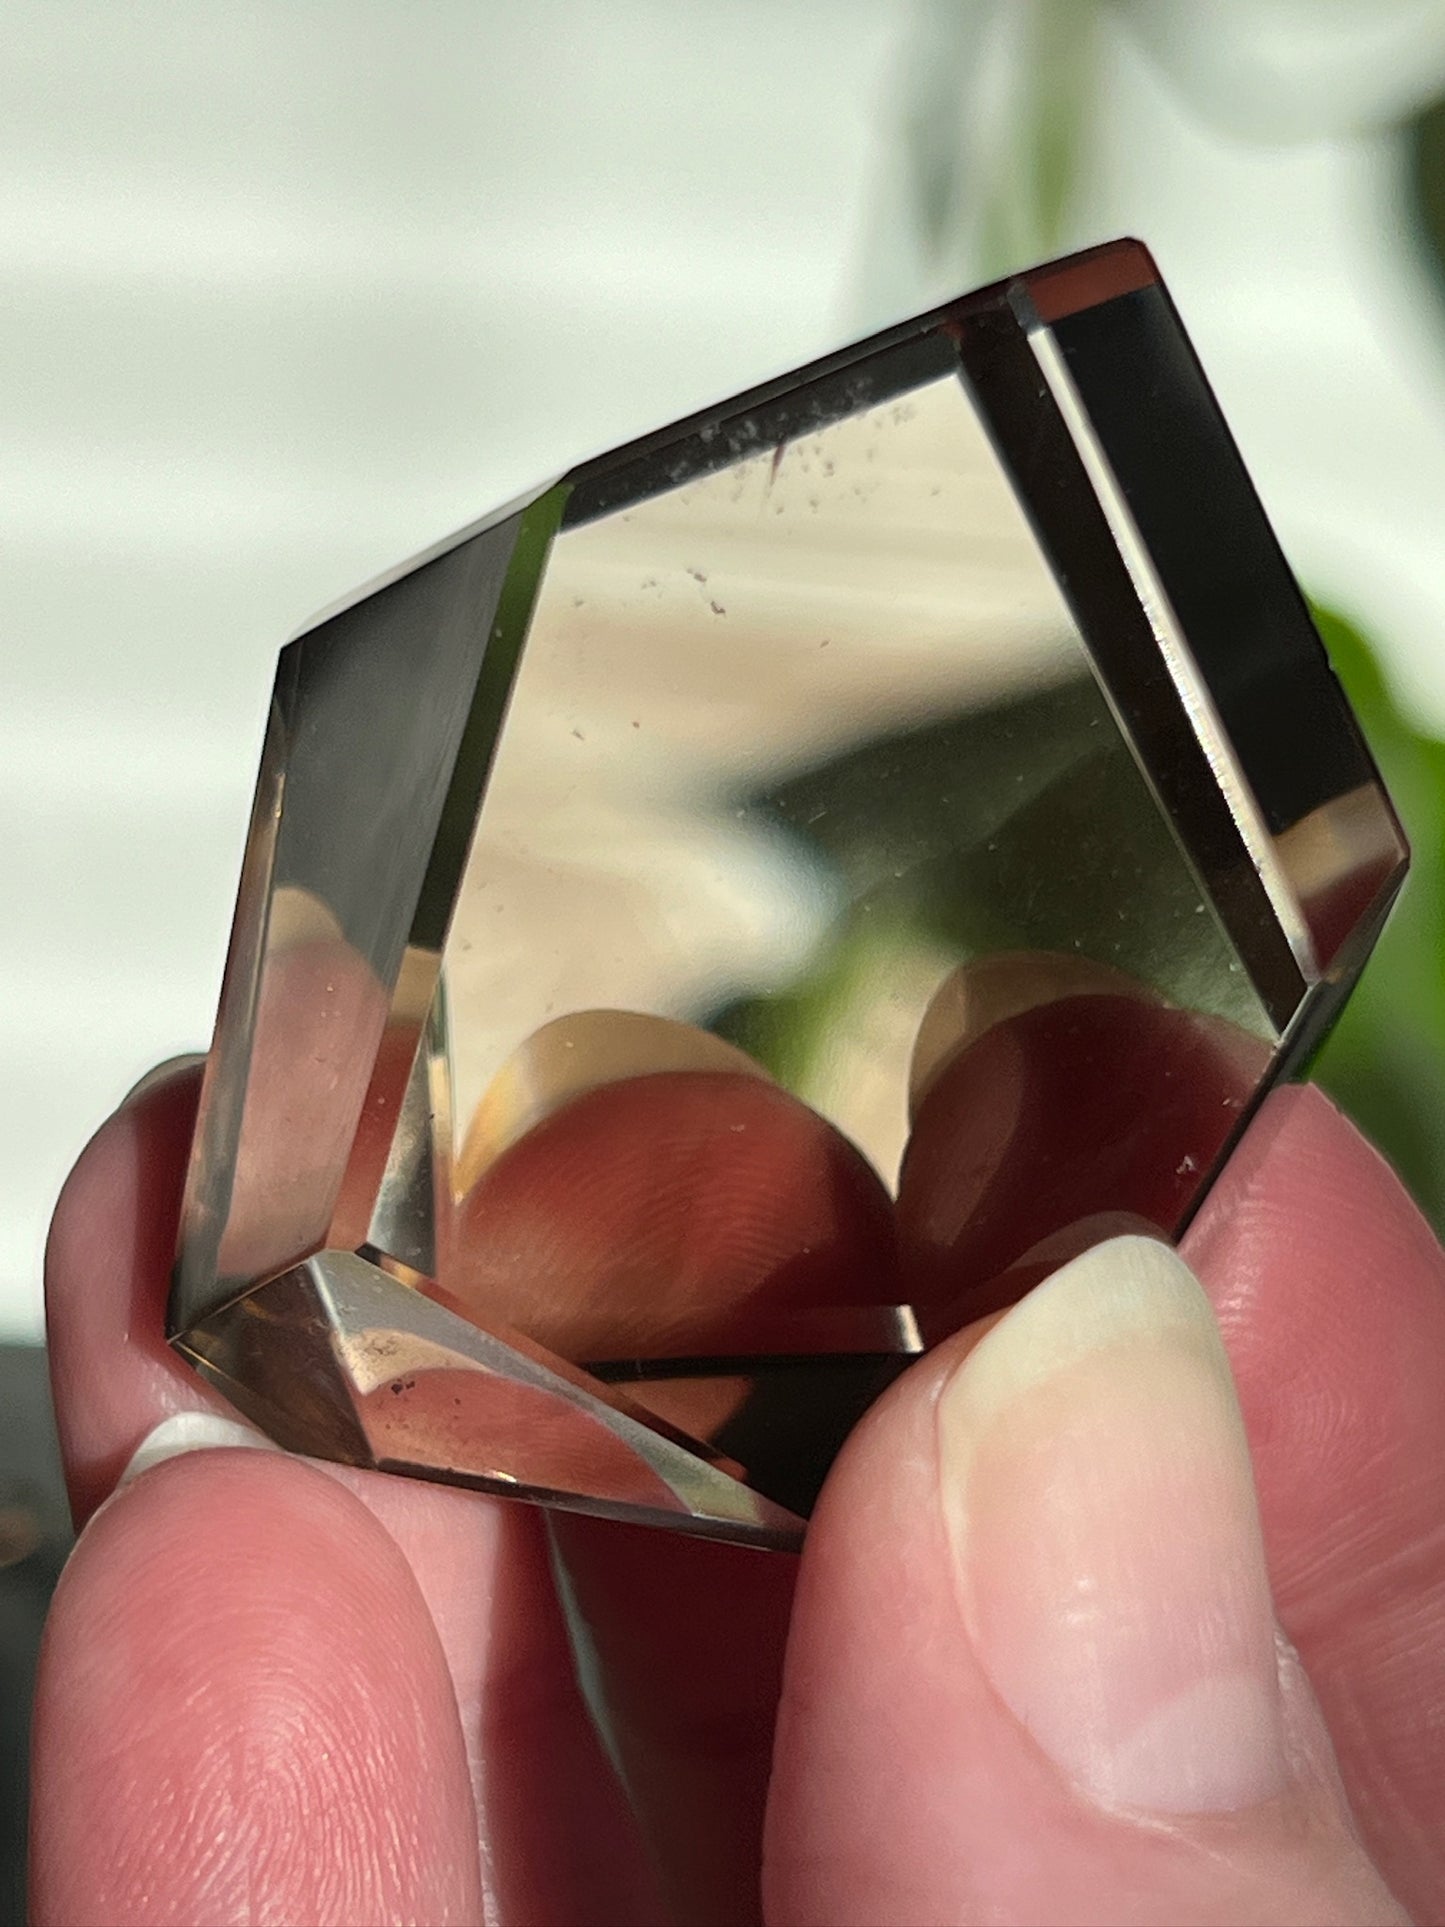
x,y
789,798
993,989
680,1214
334,1359
852,927
573,1055
1091,1105
1340,858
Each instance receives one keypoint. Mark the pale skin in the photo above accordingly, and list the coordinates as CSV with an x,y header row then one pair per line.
x,y
276,1692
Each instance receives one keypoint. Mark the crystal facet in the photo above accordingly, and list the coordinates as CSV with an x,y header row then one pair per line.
x,y
718,926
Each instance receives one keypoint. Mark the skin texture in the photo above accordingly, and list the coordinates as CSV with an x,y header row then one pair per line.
x,y
274,1692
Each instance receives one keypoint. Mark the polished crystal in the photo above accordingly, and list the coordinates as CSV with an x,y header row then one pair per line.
x,y
718,926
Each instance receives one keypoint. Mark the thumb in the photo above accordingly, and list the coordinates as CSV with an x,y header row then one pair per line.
x,y
1034,1673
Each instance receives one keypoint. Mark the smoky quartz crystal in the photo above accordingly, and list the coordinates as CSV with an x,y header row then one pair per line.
x,y
714,928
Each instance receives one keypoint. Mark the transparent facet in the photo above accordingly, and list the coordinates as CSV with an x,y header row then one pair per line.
x,y
720,927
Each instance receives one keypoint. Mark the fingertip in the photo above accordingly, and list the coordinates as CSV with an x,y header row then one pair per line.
x,y
153,1122
243,1711
1306,1177
142,1147
1329,1287
926,1769
1327,1283
107,1272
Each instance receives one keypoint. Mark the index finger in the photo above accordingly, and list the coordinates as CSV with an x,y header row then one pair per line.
x,y
230,1603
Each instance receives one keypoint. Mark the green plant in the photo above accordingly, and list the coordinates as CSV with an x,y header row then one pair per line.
x,y
1385,1062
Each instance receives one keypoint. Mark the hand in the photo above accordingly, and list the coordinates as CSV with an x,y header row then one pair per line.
x,y
277,1692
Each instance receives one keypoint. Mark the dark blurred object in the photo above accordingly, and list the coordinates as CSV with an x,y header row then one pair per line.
x,y
34,1540
1385,1062
1425,174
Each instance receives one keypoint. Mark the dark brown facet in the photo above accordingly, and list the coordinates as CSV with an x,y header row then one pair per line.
x,y
720,926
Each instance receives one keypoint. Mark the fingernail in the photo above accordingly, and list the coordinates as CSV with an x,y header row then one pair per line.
x,y
190,1432
1100,1505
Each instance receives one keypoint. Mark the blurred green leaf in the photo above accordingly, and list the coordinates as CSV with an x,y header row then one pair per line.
x,y
1424,138
1385,1062
1029,187
1063,64
996,132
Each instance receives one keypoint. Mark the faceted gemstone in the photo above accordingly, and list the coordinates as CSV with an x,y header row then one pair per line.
x,y
716,928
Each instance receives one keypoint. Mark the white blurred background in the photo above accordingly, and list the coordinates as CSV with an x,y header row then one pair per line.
x,y
287,291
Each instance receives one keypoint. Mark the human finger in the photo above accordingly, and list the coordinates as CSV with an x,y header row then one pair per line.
x,y
1330,1291
223,1730
552,1822
1076,1706
108,1261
